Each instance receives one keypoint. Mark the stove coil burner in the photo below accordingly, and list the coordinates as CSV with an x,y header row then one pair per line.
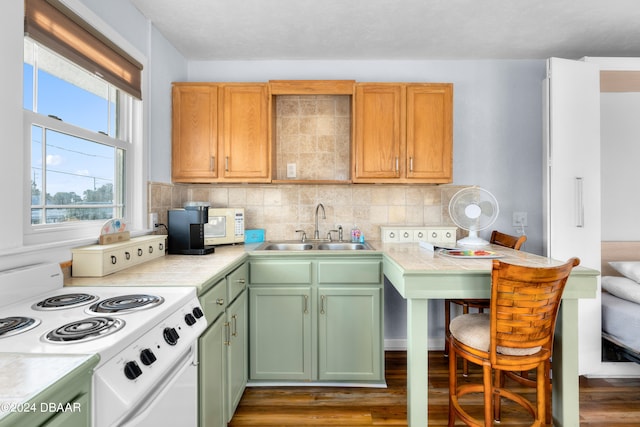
x,y
126,303
16,324
85,330
64,301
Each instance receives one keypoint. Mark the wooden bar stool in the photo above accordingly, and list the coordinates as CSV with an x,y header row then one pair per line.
x,y
497,238
517,335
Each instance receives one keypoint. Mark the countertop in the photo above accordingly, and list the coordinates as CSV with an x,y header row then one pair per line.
x,y
199,271
413,258
24,376
202,271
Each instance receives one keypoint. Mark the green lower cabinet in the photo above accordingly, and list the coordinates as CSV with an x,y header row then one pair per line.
x,y
212,356
350,339
237,345
72,419
70,396
316,319
280,333
222,349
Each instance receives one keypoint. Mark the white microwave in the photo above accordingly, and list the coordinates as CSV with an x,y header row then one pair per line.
x,y
225,226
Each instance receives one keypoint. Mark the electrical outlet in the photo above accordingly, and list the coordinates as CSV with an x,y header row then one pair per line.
x,y
291,170
153,220
519,219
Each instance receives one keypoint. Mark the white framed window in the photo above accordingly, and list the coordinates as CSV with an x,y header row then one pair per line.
x,y
83,142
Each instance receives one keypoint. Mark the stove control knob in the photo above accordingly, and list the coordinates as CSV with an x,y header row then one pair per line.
x,y
197,312
189,319
132,370
171,336
147,357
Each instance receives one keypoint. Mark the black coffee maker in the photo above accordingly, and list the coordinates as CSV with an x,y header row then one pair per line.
x,y
186,230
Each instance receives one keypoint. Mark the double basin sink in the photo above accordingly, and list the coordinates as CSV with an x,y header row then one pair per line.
x,y
313,245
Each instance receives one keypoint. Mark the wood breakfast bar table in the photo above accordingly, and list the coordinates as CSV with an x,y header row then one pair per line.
x,y
420,275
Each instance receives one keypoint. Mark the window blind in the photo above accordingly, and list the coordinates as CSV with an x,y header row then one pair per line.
x,y
55,26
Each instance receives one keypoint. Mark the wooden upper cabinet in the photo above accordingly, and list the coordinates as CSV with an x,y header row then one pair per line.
x,y
403,132
245,148
379,132
429,132
194,133
221,133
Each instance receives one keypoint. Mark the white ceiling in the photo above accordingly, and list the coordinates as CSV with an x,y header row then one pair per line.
x,y
396,29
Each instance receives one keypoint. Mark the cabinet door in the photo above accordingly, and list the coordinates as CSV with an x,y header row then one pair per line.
x,y
350,337
194,133
71,418
379,132
237,352
429,132
244,135
211,374
281,333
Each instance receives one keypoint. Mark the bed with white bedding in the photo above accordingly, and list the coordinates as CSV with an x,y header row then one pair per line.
x,y
621,300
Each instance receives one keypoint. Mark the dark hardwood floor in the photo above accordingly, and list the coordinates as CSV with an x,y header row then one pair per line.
x,y
603,402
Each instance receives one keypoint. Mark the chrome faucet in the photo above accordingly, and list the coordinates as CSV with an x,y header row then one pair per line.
x,y
316,232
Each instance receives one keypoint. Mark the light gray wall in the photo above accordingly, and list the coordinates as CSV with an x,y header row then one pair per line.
x,y
620,156
497,118
173,68
11,170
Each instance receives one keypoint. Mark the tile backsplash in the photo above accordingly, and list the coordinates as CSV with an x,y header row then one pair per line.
x,y
313,133
283,208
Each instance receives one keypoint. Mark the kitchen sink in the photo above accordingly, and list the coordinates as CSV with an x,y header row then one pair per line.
x,y
342,246
286,247
323,245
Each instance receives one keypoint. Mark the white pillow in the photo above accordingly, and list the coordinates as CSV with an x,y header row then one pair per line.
x,y
630,269
622,287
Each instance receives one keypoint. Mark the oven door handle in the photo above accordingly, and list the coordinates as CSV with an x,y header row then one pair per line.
x,y
184,362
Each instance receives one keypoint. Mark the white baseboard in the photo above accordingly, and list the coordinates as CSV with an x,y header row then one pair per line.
x,y
616,370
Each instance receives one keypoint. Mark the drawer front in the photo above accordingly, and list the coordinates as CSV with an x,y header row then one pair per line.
x,y
350,271
280,272
115,261
237,281
214,301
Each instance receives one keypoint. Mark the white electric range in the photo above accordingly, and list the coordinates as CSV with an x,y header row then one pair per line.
x,y
146,338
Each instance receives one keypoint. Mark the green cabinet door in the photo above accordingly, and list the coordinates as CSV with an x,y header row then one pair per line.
x,y
211,371
280,333
237,351
72,418
350,337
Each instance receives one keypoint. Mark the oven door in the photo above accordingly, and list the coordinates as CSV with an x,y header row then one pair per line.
x,y
173,402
